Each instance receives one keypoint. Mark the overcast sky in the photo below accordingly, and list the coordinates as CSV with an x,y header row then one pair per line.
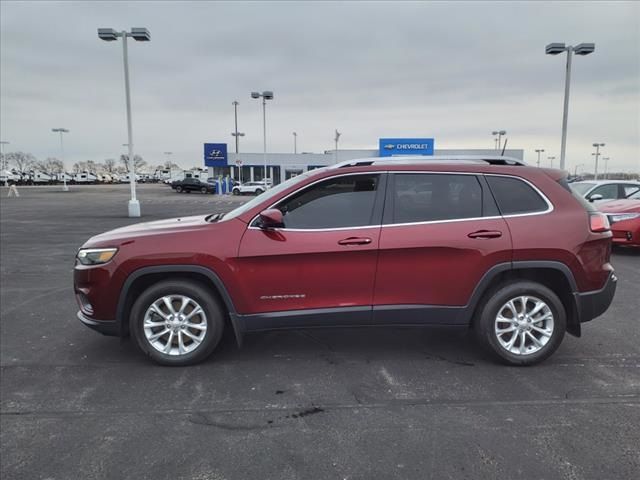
x,y
454,71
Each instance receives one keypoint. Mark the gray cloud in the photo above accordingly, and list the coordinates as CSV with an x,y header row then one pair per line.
x,y
453,70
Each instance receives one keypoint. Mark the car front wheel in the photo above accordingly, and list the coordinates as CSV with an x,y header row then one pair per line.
x,y
203,190
176,322
522,323
235,191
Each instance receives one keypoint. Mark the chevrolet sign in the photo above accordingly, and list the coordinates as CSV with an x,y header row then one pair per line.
x,y
389,147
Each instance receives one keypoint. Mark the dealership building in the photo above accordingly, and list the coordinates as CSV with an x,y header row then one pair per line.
x,y
248,167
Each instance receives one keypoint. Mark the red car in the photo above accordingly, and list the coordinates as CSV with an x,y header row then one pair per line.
x,y
624,217
488,244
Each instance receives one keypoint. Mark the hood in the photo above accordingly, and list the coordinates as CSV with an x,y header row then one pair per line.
x,y
620,206
161,227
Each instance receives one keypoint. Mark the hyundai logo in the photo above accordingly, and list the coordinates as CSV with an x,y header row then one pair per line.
x,y
215,154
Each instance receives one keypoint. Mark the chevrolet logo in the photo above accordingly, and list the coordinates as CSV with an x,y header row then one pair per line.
x,y
389,146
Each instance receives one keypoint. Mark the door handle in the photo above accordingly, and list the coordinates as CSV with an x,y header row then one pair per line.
x,y
354,241
485,234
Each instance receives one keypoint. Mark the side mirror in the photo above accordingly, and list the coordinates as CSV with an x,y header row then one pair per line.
x,y
594,197
271,218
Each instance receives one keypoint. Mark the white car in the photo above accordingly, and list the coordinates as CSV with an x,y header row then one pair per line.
x,y
601,190
255,188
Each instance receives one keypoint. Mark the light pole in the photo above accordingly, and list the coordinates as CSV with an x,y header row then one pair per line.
x,y
551,159
575,169
555,49
140,35
499,134
606,164
539,151
336,138
295,142
236,134
266,95
65,188
5,166
597,154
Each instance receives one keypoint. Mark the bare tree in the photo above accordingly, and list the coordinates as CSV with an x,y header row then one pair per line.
x,y
138,162
109,165
91,166
22,161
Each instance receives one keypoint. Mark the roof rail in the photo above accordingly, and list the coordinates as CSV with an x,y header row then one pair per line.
x,y
413,159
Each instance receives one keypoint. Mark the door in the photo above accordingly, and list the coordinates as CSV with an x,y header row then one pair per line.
x,y
324,257
441,232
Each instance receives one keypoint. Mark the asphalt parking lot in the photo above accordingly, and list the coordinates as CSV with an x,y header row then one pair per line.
x,y
345,404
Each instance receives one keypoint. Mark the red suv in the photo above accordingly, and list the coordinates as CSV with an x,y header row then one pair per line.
x,y
488,244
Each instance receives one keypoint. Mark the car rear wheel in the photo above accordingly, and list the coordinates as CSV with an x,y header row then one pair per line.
x,y
259,191
179,189
177,322
522,323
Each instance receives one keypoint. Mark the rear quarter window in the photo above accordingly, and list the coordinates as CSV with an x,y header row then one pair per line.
x,y
515,196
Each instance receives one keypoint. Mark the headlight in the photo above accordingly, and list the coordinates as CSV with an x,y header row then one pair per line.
x,y
623,216
95,256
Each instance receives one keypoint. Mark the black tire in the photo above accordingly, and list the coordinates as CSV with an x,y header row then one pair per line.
x,y
203,190
485,330
214,312
259,191
235,191
179,189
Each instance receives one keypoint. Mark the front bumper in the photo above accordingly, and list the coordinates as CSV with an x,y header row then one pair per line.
x,y
106,327
590,305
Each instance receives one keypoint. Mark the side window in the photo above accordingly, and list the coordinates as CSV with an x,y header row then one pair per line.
x,y
427,197
515,196
334,203
630,190
608,192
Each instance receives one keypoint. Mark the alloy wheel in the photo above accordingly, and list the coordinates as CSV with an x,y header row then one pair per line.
x,y
175,325
524,325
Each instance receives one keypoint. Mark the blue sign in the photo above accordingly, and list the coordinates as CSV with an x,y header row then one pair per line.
x,y
405,146
215,154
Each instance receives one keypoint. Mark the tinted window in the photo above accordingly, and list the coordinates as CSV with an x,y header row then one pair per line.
x,y
515,196
429,197
338,202
608,192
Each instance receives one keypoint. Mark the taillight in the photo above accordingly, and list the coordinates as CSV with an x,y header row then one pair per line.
x,y
598,222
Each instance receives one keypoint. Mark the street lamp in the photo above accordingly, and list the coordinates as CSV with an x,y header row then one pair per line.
x,y
575,169
295,142
5,166
551,159
597,154
606,164
499,134
266,95
140,35
539,152
237,134
64,173
555,49
336,138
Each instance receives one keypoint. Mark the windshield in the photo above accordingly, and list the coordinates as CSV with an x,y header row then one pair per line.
x,y
581,188
272,192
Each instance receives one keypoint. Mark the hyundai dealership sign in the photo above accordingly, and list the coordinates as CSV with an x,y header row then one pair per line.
x,y
405,146
215,154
